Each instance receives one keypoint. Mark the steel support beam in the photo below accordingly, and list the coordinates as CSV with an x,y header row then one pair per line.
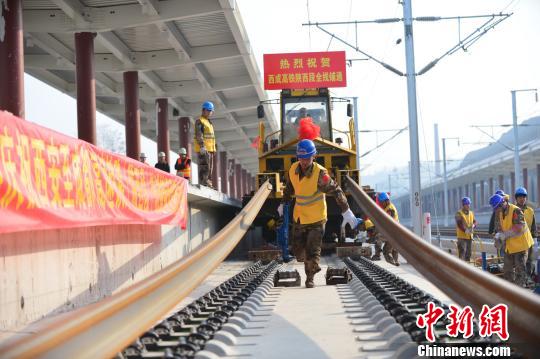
x,y
132,117
86,87
184,126
162,115
223,171
12,58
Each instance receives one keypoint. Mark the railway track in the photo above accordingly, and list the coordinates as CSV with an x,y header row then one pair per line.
x,y
186,332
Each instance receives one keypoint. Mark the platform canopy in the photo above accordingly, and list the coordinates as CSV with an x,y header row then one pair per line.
x,y
188,51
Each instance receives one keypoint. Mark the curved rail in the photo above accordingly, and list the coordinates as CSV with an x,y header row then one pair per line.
x,y
461,282
103,329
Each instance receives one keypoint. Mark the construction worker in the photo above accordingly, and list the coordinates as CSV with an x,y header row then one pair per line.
x,y
391,254
205,144
492,222
183,164
309,182
513,232
142,158
373,237
528,212
162,163
465,224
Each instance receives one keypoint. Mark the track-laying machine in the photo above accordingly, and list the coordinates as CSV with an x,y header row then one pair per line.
x,y
336,151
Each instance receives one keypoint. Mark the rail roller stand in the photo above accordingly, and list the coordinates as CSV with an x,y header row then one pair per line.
x,y
287,278
338,276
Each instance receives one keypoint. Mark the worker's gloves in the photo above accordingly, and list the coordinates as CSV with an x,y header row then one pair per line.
x,y
280,210
202,151
348,218
499,239
468,230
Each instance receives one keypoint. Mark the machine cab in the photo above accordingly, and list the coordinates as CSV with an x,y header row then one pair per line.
x,y
297,104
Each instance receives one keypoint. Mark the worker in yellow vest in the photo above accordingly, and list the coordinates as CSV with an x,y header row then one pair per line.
x,y
514,233
391,254
465,224
205,144
310,183
528,212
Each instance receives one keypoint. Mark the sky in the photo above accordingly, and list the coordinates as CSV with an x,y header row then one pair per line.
x,y
466,88
463,89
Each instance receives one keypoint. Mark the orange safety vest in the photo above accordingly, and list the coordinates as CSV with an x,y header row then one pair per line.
x,y
185,168
310,204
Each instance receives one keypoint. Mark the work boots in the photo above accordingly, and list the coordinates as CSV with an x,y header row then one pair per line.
x,y
376,257
309,281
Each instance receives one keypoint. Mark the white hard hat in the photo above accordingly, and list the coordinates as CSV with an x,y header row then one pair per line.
x,y
182,151
142,155
162,154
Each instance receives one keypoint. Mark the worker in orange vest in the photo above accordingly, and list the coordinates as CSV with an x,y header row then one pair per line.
x,y
183,164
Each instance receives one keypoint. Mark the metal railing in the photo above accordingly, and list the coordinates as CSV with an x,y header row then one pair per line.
x,y
103,329
464,284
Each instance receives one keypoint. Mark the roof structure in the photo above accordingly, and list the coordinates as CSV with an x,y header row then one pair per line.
x,y
188,51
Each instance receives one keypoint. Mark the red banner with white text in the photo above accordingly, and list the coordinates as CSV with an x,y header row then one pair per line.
x,y
304,70
50,180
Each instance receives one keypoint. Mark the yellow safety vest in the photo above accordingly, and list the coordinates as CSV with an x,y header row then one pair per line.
x,y
208,136
519,243
528,212
469,220
389,207
310,204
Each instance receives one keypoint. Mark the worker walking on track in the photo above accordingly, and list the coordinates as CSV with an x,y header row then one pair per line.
x,y
310,183
205,144
528,212
465,224
514,233
183,164
391,254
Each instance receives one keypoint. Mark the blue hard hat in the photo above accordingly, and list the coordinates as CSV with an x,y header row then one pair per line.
x,y
383,196
305,149
359,221
496,200
465,200
208,106
521,191
500,192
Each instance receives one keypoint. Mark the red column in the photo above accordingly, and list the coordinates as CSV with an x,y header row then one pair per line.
x,y
512,184
525,178
232,182
216,171
223,169
238,177
501,182
162,115
183,134
133,116
12,59
244,182
86,86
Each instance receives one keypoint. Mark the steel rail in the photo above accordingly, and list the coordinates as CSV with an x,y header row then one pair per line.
x,y
103,329
461,282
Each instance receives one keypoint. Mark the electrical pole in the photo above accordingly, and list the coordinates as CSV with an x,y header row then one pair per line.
x,y
416,202
356,131
517,169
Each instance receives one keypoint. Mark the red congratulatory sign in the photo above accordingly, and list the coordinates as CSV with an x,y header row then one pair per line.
x,y
304,70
